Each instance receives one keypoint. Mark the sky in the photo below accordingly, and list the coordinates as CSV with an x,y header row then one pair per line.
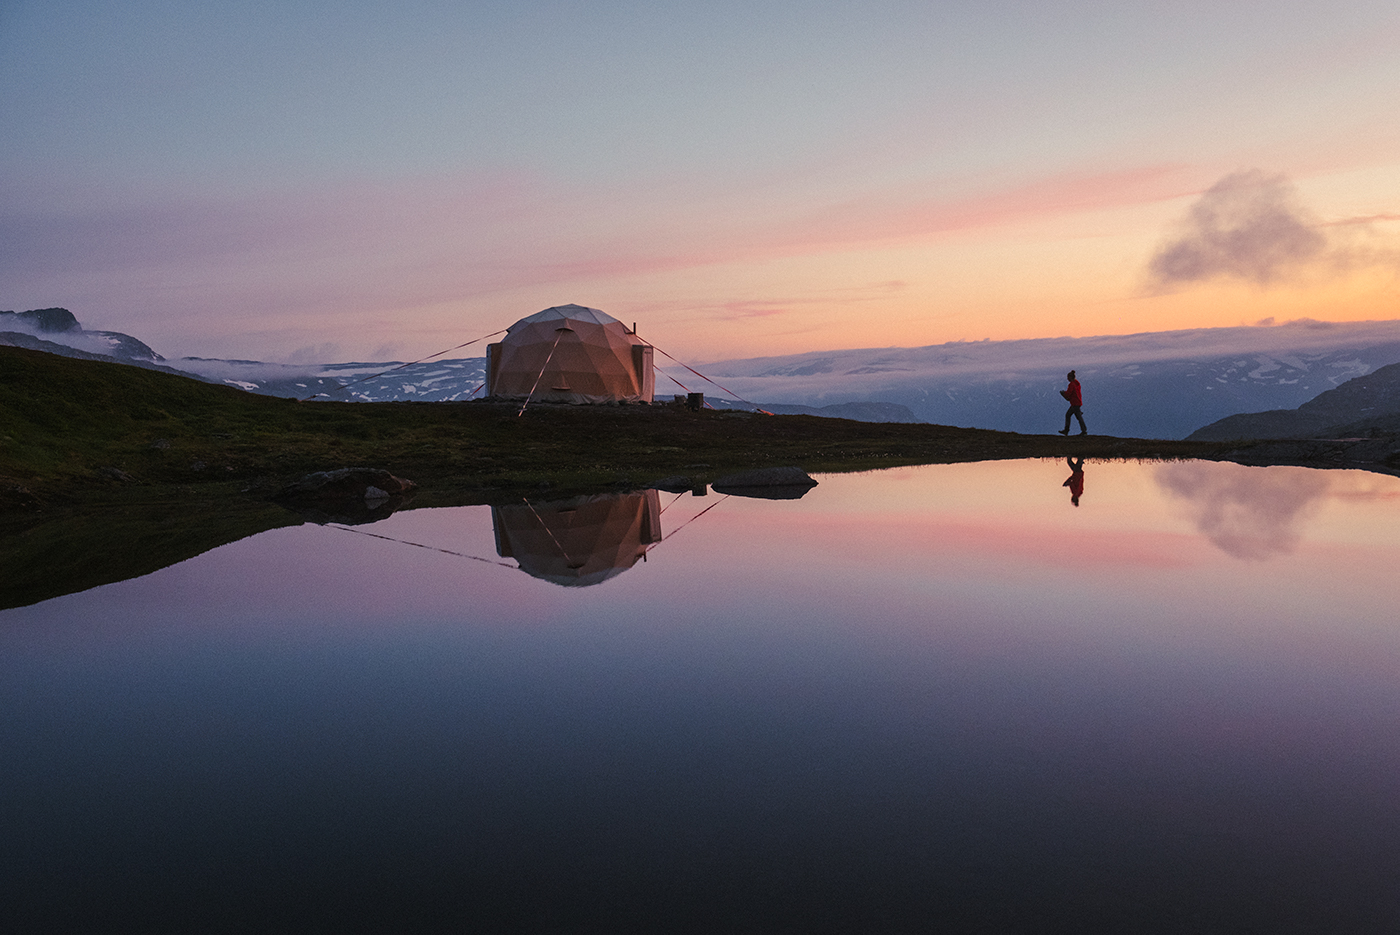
x,y
333,181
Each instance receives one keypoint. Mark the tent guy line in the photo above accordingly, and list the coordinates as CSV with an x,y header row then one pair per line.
x,y
601,362
680,384
707,379
419,545
401,366
689,521
558,333
545,526
673,502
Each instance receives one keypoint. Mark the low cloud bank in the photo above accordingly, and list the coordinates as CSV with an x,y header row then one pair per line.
x,y
872,367
58,326
252,371
1154,385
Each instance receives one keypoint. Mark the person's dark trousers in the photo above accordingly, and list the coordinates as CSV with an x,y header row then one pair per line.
x,y
1074,412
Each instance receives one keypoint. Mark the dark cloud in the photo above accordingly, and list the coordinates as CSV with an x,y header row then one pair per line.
x,y
1249,225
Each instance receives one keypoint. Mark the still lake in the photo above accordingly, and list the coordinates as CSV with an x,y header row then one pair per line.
x,y
932,699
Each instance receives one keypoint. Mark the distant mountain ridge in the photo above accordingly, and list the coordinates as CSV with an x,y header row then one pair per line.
x,y
356,381
1155,384
21,339
1363,406
59,326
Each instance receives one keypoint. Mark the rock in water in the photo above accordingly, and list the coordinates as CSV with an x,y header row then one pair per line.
x,y
777,483
676,483
768,477
345,484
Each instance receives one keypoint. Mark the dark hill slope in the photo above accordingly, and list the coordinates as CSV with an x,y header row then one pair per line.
x,y
20,339
1357,407
63,417
62,421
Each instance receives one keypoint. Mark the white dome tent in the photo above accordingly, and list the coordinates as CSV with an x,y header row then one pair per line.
x,y
570,354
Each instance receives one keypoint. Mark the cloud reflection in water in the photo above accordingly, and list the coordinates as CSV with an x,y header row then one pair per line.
x,y
1250,513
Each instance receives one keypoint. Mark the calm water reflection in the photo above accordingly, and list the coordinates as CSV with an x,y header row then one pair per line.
x,y
581,541
931,699
1256,514
1075,481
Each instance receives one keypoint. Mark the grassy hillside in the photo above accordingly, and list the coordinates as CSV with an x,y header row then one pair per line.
x,y
63,421
108,472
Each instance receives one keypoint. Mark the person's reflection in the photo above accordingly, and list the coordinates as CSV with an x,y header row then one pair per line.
x,y
1075,482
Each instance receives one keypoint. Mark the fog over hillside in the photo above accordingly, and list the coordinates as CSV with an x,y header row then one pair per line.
x,y
1159,384
59,326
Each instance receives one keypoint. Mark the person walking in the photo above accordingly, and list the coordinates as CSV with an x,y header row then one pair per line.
x,y
1076,399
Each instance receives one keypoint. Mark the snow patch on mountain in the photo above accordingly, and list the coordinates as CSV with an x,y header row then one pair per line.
x,y
353,381
59,326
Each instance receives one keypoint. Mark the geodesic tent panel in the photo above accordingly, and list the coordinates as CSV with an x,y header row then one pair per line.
x,y
570,354
582,541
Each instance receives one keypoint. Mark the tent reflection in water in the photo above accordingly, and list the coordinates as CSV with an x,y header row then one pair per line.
x,y
570,354
582,541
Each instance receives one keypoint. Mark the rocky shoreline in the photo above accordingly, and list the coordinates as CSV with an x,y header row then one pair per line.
x,y
1381,454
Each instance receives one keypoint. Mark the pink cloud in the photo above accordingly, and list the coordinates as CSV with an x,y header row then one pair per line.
x,y
886,219
882,219
1368,219
364,246
771,306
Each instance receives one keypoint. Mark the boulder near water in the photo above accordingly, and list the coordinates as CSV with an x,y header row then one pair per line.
x,y
775,483
768,477
346,484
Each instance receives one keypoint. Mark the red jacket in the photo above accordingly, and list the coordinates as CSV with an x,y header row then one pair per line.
x,y
1075,483
1072,394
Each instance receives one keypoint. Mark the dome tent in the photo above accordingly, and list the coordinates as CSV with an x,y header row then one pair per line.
x,y
570,354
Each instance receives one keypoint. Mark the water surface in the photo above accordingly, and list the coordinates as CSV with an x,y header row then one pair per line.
x,y
930,699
